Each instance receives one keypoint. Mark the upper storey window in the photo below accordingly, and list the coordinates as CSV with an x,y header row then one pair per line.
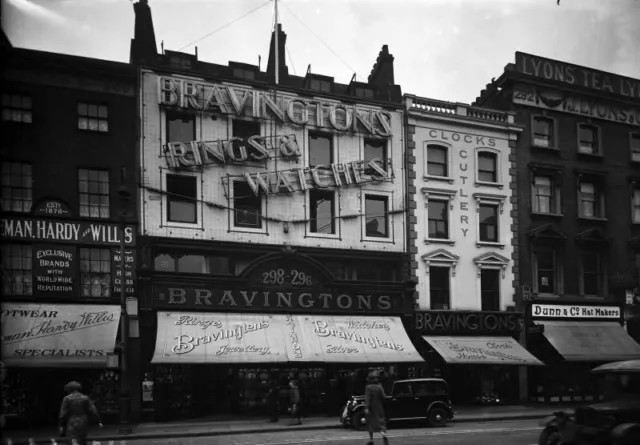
x,y
17,187
93,117
542,132
17,108
588,140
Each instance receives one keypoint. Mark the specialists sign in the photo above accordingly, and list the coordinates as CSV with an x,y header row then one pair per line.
x,y
36,229
227,298
575,311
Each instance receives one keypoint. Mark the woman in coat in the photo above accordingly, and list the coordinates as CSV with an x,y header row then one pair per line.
x,y
75,411
294,399
374,409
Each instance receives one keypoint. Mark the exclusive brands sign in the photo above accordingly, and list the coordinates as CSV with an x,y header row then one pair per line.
x,y
575,75
57,334
65,231
459,322
575,311
263,338
228,298
54,269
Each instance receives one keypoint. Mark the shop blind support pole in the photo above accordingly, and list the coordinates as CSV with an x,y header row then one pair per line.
x,y
125,392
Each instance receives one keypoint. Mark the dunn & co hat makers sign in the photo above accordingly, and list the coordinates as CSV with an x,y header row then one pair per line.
x,y
575,311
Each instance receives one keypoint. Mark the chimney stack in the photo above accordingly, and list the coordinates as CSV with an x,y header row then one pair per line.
x,y
382,72
271,62
143,44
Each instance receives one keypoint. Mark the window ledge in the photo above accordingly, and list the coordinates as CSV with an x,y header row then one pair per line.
x,y
489,244
593,218
322,235
176,225
428,178
377,239
261,231
551,215
489,184
547,149
594,156
593,297
549,296
439,241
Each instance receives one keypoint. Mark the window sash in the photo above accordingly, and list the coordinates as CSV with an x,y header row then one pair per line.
x,y
546,278
95,272
591,277
488,223
247,207
379,229
587,140
93,117
322,224
438,219
93,186
490,289
180,127
17,187
487,167
17,269
544,195
437,161
320,149
590,205
440,293
542,132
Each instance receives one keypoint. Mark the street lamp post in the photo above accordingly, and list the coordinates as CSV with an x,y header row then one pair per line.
x,y
125,392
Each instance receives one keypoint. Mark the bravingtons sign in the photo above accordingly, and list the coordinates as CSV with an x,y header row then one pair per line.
x,y
261,338
574,311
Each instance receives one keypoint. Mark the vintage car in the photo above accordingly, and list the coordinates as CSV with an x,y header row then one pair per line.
x,y
615,421
409,400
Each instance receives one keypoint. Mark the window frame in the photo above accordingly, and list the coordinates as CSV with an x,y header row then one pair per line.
x,y
332,149
88,194
167,113
598,152
558,270
11,188
448,162
439,258
165,200
500,273
634,156
23,272
430,287
498,162
600,273
388,196
600,209
553,132
263,228
492,200
385,151
22,109
111,272
434,194
556,192
96,118
335,214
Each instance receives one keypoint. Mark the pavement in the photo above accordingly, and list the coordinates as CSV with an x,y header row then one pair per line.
x,y
215,427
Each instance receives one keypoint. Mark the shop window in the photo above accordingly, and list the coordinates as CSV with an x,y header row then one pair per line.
x,y
93,117
590,200
588,140
487,166
438,219
488,223
376,216
320,149
635,147
164,262
545,195
220,265
542,132
635,205
439,287
376,271
95,271
182,199
17,269
375,149
322,211
490,289
17,187
247,206
193,264
17,108
590,274
181,127
547,271
240,265
342,270
437,161
94,193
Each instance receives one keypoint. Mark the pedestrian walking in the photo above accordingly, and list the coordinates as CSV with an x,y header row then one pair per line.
x,y
374,409
75,413
294,399
273,399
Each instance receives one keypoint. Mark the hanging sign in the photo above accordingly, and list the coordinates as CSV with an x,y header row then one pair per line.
x,y
575,311
128,276
283,107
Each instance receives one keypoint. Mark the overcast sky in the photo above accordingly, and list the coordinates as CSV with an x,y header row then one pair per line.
x,y
444,49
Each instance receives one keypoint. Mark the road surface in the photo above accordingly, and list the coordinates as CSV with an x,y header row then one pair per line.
x,y
514,432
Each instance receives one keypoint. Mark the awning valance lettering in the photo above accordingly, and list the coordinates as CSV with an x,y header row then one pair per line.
x,y
58,335
585,341
261,338
482,350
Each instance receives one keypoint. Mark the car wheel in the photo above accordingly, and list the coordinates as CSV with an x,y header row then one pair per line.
x,y
549,436
437,416
359,420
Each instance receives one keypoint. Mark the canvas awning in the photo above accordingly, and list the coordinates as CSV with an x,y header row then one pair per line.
x,y
264,338
482,350
590,341
58,335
